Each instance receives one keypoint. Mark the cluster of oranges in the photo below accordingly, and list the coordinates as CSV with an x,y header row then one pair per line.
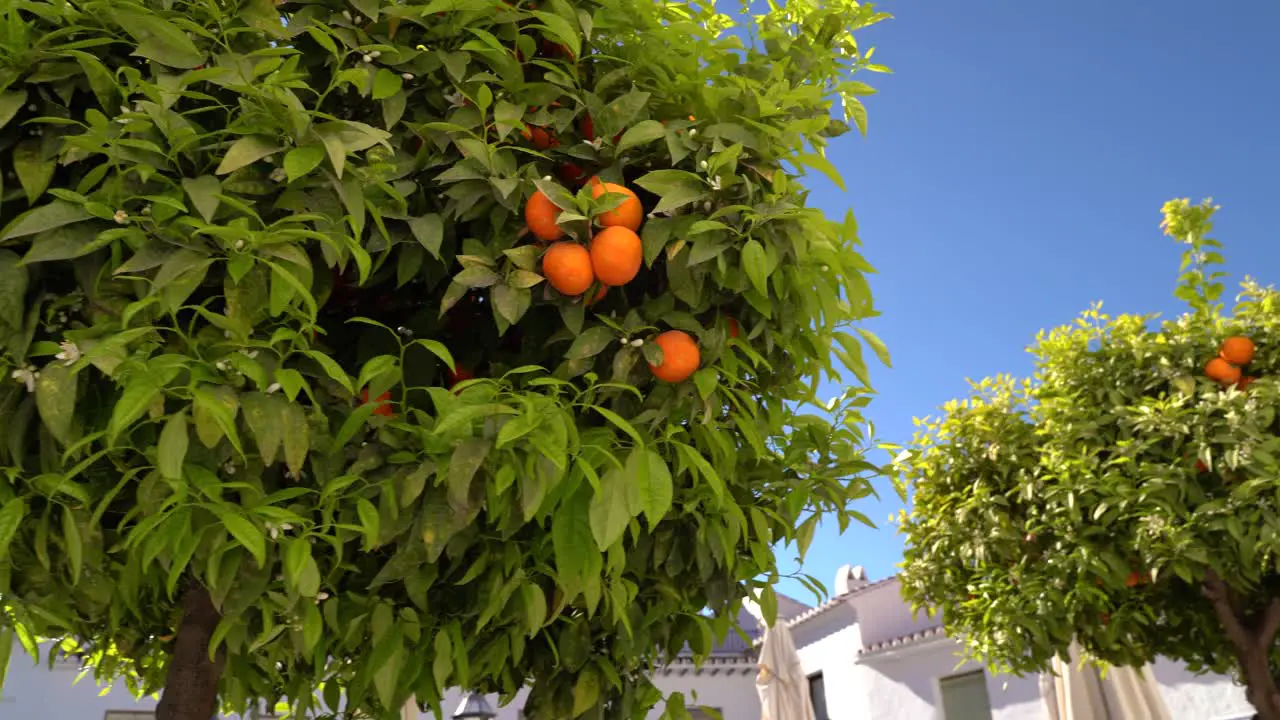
x,y
612,259
1227,368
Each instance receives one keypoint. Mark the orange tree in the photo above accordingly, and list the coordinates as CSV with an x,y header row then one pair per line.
x,y
1124,497
289,409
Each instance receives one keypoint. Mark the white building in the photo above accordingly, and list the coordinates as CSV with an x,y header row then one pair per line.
x,y
866,658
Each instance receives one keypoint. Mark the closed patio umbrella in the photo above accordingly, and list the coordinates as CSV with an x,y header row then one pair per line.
x,y
781,682
1073,691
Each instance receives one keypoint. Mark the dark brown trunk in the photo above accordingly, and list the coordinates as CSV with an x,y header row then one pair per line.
x,y
191,685
1252,638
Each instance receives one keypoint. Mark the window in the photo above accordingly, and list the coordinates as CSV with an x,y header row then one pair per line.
x,y
818,696
964,697
706,713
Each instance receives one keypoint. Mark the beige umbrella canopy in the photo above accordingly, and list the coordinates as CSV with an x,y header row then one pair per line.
x,y
1076,691
781,682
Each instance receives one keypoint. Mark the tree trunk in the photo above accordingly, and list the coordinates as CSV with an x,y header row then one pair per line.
x,y
1252,637
191,685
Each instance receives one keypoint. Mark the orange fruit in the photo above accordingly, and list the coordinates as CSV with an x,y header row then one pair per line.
x,y
616,254
1201,467
540,137
1135,579
1237,350
628,215
383,403
1245,382
567,266
680,356
540,215
734,328
571,174
1222,371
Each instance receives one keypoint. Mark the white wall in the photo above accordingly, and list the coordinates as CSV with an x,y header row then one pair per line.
x,y
1200,697
829,644
904,684
734,694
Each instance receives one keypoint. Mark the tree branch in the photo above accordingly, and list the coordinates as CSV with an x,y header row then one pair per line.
x,y
1270,623
1216,591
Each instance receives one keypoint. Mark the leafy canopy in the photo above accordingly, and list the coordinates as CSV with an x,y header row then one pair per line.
x,y
228,224
1093,500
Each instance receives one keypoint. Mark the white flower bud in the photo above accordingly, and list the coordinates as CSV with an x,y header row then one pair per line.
x,y
367,58
273,387
376,53
121,217
346,14
407,76
637,342
239,244
703,164
693,131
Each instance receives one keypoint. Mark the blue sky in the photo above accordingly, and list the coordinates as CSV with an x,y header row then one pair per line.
x,y
1014,171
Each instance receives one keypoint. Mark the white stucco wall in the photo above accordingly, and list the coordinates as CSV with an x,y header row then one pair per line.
x,y
904,684
829,644
1200,697
734,694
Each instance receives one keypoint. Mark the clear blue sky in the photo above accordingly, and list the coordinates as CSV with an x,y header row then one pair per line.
x,y
1014,171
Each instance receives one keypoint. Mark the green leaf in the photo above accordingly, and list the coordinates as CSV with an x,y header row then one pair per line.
x,y
442,663
677,188
648,473
428,230
13,289
249,536
245,151
10,103
172,450
297,437
299,162
511,303
56,390
160,40
73,542
64,243
370,521
877,345
591,342
33,170
608,516
332,369
11,516
823,165
204,192
756,266
467,459
641,133
586,691
6,642
214,411
535,607
46,217
265,416
139,393
572,541
386,84
312,627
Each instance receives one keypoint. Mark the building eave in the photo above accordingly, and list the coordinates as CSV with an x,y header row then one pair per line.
x,y
903,644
